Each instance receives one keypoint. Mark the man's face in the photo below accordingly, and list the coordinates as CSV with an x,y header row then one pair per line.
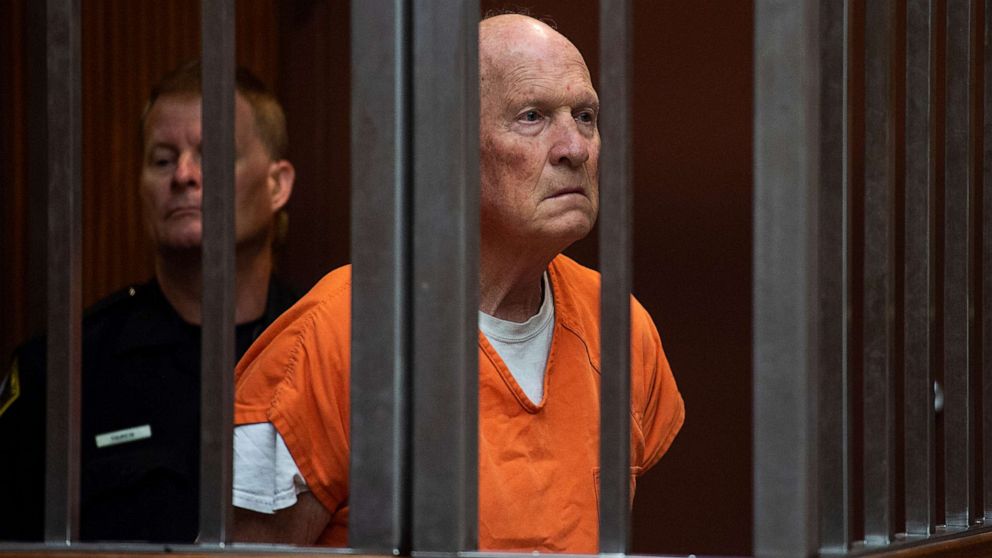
x,y
539,138
172,179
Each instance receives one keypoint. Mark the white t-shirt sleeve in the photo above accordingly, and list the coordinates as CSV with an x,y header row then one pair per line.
x,y
266,478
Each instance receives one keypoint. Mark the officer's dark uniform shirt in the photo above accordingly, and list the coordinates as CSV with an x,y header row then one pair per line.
x,y
140,375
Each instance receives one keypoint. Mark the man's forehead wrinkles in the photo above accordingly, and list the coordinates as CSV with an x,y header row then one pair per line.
x,y
559,71
526,60
529,87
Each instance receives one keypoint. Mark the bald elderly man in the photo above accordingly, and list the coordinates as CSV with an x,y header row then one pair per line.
x,y
538,341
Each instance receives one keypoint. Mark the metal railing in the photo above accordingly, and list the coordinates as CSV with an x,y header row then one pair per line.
x,y
811,427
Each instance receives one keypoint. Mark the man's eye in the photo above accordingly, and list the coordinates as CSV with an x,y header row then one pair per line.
x,y
586,116
530,116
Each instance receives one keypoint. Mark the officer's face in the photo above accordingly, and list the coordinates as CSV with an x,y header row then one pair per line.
x,y
539,140
172,179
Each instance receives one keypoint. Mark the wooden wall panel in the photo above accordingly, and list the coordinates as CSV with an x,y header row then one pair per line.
x,y
315,89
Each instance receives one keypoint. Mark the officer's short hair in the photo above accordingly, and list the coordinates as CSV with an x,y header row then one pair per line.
x,y
270,120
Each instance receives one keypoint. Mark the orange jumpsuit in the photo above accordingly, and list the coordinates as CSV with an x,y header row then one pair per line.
x,y
538,463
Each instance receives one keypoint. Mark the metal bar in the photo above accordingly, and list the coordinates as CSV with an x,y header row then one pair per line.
x,y
958,424
380,277
445,198
63,352
834,425
217,356
987,272
786,189
879,275
615,247
920,269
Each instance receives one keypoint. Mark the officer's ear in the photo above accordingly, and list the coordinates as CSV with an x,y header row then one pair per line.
x,y
281,177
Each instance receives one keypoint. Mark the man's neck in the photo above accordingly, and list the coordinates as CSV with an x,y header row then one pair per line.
x,y
180,278
510,283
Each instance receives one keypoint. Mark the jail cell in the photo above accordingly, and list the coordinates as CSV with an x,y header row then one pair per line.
x,y
806,438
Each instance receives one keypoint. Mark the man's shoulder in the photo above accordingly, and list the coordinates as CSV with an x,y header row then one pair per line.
x,y
308,345
323,313
332,292
107,310
120,304
334,280
326,304
25,374
577,293
137,317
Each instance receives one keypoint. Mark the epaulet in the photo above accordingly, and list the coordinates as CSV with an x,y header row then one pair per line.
x,y
115,299
10,386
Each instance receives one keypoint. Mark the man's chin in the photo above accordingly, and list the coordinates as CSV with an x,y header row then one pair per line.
x,y
576,225
180,244
567,233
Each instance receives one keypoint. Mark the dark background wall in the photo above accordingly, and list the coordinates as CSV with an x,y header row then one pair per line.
x,y
692,174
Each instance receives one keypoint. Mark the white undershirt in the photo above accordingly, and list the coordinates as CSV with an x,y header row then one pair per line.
x,y
266,478
524,346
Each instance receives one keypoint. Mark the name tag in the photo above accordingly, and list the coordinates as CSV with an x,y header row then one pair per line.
x,y
123,436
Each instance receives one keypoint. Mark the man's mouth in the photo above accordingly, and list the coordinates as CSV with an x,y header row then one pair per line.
x,y
183,211
567,192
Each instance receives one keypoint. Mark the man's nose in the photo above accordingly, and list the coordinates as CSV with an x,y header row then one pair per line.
x,y
188,171
571,146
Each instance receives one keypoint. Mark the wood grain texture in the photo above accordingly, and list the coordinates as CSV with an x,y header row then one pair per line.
x,y
314,86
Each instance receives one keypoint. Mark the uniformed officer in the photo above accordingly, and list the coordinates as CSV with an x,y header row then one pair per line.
x,y
141,346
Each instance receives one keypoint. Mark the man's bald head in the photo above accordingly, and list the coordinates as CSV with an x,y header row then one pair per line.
x,y
508,40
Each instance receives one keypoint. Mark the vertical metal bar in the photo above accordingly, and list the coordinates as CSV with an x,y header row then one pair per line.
x,y
958,424
834,232
919,268
380,276
879,275
217,356
786,189
445,275
615,40
64,270
987,271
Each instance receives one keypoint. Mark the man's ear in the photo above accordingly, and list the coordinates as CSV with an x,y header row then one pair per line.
x,y
281,177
